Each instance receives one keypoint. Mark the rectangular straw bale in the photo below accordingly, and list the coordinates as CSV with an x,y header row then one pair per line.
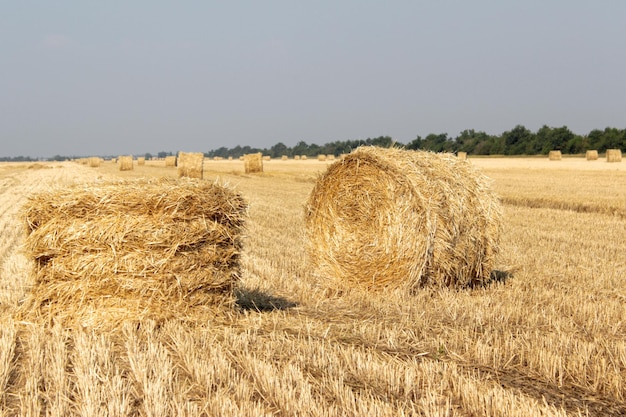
x,y
170,161
190,164
461,155
253,162
107,252
126,163
613,155
554,155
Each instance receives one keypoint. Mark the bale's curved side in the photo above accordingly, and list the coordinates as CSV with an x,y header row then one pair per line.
x,y
396,218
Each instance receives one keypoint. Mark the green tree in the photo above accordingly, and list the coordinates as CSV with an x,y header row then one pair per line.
x,y
517,141
551,139
415,144
469,140
301,148
381,141
278,150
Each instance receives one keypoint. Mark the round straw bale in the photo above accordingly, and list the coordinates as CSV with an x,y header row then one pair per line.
x,y
554,155
402,219
125,163
94,162
591,155
613,155
170,161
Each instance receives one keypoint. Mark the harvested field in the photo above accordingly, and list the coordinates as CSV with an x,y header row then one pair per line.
x,y
545,338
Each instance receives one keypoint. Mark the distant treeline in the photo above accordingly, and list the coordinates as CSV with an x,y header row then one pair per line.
x,y
517,141
17,159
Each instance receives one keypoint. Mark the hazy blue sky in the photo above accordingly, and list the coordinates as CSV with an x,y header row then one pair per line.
x,y
119,77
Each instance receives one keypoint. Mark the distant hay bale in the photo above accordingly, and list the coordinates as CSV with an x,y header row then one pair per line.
x,y
125,163
321,157
296,157
330,157
230,158
170,161
613,155
402,219
554,155
94,162
253,162
267,158
303,158
461,155
190,164
114,160
284,158
108,252
591,155
141,160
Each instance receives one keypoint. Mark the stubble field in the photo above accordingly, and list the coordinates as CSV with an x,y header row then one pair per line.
x,y
546,338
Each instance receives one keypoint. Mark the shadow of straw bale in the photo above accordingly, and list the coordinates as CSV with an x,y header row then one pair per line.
x,y
500,276
496,276
255,299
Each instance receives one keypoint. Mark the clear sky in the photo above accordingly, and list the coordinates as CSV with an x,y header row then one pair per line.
x,y
90,77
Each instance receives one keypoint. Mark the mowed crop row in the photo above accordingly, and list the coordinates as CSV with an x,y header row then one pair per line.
x,y
547,337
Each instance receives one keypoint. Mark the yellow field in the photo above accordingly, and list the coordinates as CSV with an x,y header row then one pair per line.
x,y
548,337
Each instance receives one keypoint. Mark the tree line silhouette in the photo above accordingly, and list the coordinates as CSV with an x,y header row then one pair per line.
x,y
517,141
